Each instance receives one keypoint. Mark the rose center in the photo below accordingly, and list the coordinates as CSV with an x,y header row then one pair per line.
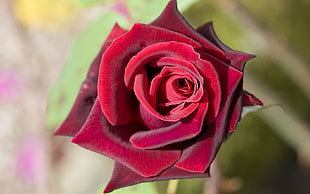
x,y
184,86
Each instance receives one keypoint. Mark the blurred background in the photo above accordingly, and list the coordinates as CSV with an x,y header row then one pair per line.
x,y
47,46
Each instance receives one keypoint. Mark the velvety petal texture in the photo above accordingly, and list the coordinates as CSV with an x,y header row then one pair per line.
x,y
118,104
236,59
160,99
88,91
192,158
100,136
130,178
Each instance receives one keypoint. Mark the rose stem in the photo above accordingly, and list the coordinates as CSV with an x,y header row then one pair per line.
x,y
172,186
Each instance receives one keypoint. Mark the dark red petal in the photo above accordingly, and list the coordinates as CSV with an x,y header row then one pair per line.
x,y
242,98
165,45
250,100
237,59
152,122
181,63
236,109
116,101
183,51
212,86
179,131
187,67
88,92
81,108
171,19
99,136
198,157
116,32
237,102
141,91
123,176
169,93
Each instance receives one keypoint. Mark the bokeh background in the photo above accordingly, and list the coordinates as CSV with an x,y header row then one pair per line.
x,y
46,47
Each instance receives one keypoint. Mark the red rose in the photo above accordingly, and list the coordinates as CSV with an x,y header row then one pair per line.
x,y
159,99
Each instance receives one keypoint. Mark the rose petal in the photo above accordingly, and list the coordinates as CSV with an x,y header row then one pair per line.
x,y
185,129
186,66
87,93
183,51
250,100
81,108
164,92
168,48
141,91
198,157
113,141
237,59
118,104
236,109
150,121
171,19
130,178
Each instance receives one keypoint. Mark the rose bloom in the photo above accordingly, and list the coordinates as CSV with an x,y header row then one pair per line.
x,y
159,100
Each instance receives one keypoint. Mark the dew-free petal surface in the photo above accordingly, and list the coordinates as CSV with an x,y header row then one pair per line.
x,y
198,156
183,51
235,111
237,59
250,100
118,104
182,130
141,91
113,141
130,178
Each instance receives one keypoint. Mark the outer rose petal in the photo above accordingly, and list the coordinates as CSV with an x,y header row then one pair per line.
x,y
250,100
118,104
113,141
242,98
198,156
128,177
88,92
237,59
236,109
171,19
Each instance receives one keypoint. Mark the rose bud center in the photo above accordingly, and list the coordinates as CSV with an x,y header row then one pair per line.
x,y
176,87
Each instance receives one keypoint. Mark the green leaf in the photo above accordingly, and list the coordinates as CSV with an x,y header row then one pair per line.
x,y
141,188
84,50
